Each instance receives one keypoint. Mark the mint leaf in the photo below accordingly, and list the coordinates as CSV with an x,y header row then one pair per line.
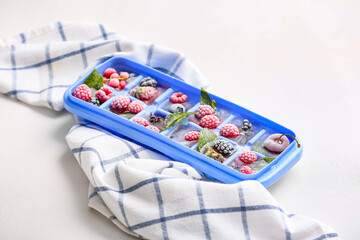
x,y
268,159
174,118
205,136
213,105
94,80
205,99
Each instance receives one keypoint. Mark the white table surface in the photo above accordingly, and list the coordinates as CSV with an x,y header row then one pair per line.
x,y
297,64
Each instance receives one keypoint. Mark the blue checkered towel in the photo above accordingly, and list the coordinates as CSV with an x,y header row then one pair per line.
x,y
139,190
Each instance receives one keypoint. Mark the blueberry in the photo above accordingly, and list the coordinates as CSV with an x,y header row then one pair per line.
x,y
177,108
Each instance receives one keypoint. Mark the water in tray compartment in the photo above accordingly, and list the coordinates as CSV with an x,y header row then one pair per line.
x,y
171,107
256,166
222,114
178,134
148,90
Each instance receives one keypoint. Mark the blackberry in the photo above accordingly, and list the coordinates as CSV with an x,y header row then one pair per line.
x,y
148,82
95,101
246,126
223,147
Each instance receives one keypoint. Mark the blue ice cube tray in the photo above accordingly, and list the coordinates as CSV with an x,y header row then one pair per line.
x,y
233,113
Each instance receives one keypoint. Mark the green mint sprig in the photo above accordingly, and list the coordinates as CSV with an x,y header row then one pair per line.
x,y
205,136
205,99
174,118
94,80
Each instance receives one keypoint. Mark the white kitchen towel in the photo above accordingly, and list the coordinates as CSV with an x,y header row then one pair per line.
x,y
140,190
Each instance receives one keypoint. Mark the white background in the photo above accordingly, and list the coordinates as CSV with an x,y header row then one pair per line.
x,y
296,63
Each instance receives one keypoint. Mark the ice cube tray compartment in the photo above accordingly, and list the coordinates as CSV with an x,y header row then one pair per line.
x,y
231,112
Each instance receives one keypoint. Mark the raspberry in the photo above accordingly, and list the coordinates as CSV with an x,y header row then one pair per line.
x,y
108,72
104,94
204,110
141,121
248,157
113,83
144,93
120,104
246,170
223,147
210,122
82,92
153,128
229,130
135,107
192,136
178,97
148,82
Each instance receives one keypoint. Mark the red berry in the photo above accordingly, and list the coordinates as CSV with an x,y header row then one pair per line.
x,y
153,128
122,85
192,136
120,104
229,130
141,121
108,72
135,107
82,92
210,122
113,83
114,75
104,94
178,97
124,75
144,93
246,170
204,110
248,157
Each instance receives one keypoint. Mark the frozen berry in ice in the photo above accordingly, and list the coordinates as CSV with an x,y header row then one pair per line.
x,y
276,143
114,75
120,104
246,170
124,75
229,130
209,121
82,92
108,72
135,107
122,85
141,121
192,136
113,83
204,110
178,97
177,108
104,94
223,147
95,101
248,157
246,125
144,93
148,82
153,128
